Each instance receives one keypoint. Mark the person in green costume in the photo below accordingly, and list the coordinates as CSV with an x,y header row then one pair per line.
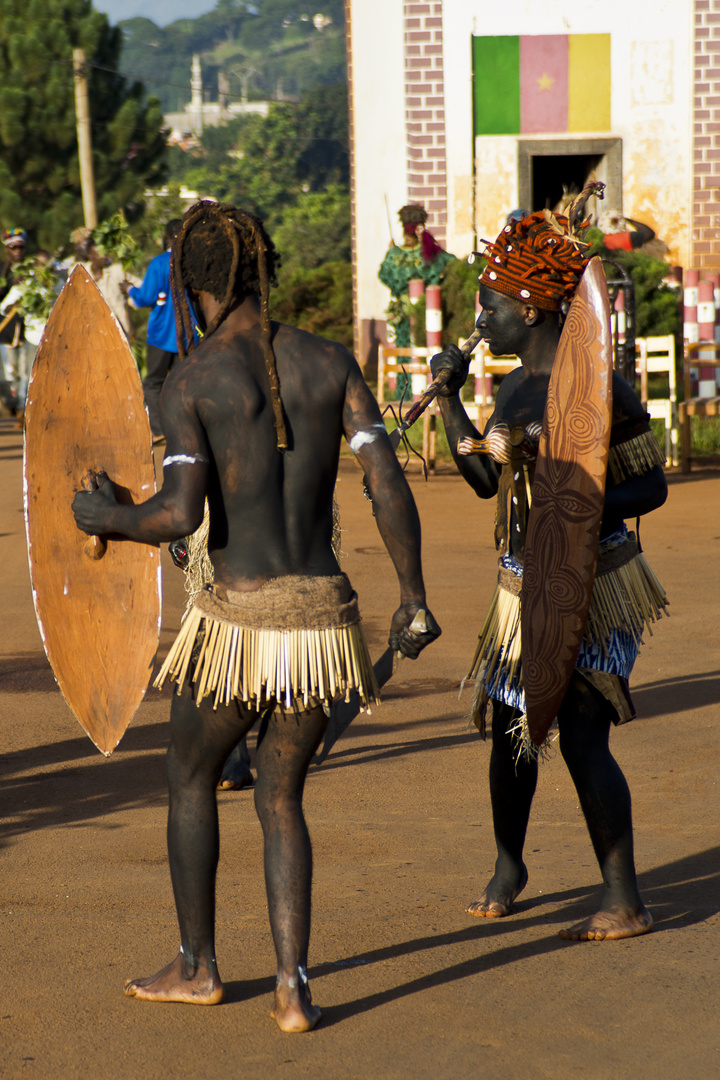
x,y
420,256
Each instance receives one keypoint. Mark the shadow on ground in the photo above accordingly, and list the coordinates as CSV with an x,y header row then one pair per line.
x,y
680,894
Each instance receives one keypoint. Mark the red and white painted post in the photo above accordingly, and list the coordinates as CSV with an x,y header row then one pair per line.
x,y
621,316
691,332
690,319
433,331
706,332
416,289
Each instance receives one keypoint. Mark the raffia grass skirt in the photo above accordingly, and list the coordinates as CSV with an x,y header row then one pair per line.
x,y
626,597
293,644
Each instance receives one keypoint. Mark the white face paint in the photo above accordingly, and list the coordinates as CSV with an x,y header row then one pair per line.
x,y
185,459
365,436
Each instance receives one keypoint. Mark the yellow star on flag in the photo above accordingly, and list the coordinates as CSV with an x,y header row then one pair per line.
x,y
545,82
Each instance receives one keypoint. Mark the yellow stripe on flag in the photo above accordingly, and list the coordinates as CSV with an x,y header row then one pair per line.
x,y
589,82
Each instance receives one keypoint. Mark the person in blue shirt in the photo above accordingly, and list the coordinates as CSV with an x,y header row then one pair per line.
x,y
161,338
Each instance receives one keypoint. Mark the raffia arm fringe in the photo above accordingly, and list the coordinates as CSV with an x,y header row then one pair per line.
x,y
635,457
261,667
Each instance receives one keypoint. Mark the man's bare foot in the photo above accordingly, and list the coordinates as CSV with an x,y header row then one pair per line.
x,y
236,773
500,895
293,1010
173,984
231,783
610,925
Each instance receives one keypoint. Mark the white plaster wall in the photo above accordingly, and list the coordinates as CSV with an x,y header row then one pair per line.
x,y
380,142
652,72
651,107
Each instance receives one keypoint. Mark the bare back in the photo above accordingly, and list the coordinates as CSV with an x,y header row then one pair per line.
x,y
271,513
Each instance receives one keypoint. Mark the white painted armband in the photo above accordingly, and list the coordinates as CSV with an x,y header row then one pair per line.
x,y
365,436
185,459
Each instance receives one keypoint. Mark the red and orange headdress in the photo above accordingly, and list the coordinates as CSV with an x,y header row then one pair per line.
x,y
536,260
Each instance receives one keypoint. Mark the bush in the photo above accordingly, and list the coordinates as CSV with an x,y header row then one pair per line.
x,y
318,300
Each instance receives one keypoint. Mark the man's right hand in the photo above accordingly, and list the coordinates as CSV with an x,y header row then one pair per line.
x,y
412,628
451,359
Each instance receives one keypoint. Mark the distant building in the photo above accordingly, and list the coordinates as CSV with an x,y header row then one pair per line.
x,y
199,113
481,108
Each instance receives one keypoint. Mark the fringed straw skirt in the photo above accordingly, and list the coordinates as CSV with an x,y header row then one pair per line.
x,y
293,644
627,598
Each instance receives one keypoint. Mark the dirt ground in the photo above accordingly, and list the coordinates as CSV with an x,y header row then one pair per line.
x,y
410,986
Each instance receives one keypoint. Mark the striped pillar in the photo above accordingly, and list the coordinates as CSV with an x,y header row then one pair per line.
x,y
706,332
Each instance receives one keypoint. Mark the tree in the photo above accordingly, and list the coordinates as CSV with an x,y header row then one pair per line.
x,y
39,170
314,231
298,148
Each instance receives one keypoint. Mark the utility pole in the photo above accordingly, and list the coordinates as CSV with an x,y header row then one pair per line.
x,y
84,138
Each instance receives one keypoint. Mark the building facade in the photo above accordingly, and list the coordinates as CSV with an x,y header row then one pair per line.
x,y
476,109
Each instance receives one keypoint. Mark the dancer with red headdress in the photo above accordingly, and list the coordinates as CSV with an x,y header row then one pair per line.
x,y
533,270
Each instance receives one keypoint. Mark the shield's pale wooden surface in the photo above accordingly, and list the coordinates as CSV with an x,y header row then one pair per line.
x,y
567,503
99,617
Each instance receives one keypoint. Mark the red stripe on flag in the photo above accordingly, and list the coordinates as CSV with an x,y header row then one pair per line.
x,y
543,83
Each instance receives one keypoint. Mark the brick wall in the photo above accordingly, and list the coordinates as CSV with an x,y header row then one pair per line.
x,y
425,111
705,239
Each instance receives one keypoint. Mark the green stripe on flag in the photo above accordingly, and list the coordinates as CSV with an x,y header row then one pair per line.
x,y
496,71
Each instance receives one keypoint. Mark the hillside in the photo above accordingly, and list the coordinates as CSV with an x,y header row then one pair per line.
x,y
274,50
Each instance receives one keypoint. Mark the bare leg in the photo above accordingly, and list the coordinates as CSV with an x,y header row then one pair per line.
x,y
200,742
283,757
584,723
512,787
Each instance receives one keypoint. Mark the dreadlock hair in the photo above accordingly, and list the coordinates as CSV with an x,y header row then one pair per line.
x,y
172,228
226,252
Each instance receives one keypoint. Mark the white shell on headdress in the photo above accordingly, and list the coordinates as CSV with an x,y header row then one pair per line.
x,y
525,293
492,275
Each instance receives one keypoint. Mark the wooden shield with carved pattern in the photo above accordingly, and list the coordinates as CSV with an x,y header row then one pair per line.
x,y
97,603
568,495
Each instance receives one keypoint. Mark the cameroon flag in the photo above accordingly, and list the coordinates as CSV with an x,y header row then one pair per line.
x,y
531,85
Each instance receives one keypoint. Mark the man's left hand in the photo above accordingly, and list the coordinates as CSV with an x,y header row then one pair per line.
x,y
93,509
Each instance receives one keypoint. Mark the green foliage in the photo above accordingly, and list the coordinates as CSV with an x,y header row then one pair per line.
x,y
315,230
113,238
317,300
458,296
704,436
271,46
39,286
656,304
160,208
298,148
39,170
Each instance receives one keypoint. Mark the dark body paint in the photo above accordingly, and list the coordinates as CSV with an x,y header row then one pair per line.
x,y
271,515
512,326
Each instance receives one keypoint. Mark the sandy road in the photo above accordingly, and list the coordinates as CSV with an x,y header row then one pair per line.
x,y
410,986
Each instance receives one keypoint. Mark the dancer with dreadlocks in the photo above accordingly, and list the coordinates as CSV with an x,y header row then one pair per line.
x,y
253,417
534,268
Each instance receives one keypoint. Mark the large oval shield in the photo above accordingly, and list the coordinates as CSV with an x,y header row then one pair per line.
x,y
568,495
98,611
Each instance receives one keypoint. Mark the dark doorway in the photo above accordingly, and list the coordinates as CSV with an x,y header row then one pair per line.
x,y
556,176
